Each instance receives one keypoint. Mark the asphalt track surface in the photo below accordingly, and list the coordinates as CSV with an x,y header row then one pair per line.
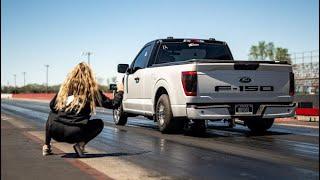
x,y
223,153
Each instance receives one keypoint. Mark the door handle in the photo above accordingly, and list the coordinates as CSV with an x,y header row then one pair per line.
x,y
137,79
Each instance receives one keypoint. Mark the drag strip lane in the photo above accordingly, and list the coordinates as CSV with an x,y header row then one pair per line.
x,y
272,140
186,156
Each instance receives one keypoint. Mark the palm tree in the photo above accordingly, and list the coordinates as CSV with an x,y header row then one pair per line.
x,y
262,50
282,54
254,52
270,51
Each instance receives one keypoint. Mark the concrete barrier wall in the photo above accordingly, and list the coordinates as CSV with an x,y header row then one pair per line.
x,y
40,96
6,96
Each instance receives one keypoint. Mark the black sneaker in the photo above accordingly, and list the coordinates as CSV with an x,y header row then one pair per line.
x,y
78,150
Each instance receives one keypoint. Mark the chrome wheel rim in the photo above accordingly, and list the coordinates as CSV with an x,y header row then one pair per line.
x,y
116,115
161,114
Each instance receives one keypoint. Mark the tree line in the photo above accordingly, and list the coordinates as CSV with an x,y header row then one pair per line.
x,y
38,88
41,88
268,51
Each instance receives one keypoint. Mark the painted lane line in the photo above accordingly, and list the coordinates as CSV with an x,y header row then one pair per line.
x,y
297,125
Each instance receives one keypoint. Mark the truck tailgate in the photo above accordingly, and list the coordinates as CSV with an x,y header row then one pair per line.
x,y
240,82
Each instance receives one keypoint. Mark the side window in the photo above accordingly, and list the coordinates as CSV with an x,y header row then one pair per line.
x,y
142,58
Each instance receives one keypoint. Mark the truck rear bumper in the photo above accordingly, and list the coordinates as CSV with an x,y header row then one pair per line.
x,y
212,112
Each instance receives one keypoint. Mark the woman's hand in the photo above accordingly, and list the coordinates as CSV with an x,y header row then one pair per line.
x,y
119,86
117,100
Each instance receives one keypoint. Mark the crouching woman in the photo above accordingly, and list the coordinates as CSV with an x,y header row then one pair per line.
x,y
69,120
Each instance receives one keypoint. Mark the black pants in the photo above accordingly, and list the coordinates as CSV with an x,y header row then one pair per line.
x,y
73,134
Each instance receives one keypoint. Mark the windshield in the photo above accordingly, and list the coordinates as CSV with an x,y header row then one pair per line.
x,y
177,51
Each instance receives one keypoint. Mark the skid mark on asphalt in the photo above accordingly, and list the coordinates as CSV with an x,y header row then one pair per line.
x,y
245,151
15,122
108,164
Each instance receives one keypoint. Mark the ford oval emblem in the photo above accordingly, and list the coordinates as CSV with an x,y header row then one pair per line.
x,y
245,80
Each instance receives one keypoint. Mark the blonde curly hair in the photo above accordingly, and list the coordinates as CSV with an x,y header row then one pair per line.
x,y
82,84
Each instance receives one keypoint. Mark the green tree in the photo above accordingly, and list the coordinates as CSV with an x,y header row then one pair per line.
x,y
282,54
270,51
262,50
267,51
254,54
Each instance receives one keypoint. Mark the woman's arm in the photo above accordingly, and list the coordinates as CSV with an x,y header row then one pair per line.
x,y
108,103
104,101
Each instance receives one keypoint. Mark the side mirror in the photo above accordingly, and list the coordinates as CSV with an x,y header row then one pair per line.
x,y
113,87
122,68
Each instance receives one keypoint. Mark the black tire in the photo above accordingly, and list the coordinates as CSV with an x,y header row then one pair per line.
x,y
259,125
119,117
164,117
198,127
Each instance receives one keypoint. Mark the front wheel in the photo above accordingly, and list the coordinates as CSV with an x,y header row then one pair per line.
x,y
120,117
259,125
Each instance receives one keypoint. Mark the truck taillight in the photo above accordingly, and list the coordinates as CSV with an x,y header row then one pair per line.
x,y
292,87
189,82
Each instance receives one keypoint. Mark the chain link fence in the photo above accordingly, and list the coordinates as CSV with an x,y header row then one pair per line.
x,y
306,70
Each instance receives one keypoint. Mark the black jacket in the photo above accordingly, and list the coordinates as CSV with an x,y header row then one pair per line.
x,y
72,118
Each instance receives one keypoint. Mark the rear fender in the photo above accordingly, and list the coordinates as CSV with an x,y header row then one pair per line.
x,y
161,83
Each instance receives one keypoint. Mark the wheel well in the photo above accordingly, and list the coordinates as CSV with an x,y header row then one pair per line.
x,y
160,91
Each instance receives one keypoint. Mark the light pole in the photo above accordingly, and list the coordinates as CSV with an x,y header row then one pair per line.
x,y
47,66
88,54
15,83
24,78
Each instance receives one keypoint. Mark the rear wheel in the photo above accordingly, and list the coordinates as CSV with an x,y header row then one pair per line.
x,y
120,117
259,125
164,117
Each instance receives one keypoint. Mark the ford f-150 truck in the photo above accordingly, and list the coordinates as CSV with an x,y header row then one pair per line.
x,y
178,82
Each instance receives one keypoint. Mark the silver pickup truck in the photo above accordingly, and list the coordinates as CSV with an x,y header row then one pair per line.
x,y
186,82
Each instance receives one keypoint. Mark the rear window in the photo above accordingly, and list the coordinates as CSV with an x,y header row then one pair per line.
x,y
183,51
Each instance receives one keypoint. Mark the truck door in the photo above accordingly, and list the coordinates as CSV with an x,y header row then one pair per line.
x,y
135,82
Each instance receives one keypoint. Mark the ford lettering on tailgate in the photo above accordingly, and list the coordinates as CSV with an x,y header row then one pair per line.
x,y
243,88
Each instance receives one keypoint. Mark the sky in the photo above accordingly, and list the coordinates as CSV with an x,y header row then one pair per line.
x,y
39,32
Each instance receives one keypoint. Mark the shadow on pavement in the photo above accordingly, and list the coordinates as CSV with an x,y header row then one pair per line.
x,y
74,155
247,132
